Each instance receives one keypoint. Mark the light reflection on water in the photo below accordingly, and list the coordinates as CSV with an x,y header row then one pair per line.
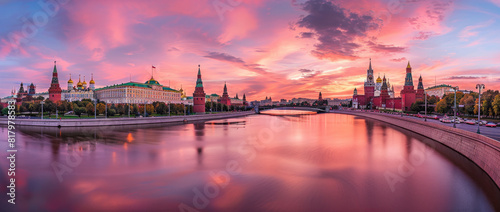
x,y
288,163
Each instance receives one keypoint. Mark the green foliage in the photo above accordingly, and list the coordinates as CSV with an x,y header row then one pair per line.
x,y
111,112
79,111
442,106
496,105
90,108
5,111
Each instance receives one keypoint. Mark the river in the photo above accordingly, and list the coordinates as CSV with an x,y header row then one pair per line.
x,y
322,162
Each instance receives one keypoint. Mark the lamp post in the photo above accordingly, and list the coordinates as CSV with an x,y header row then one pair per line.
x,y
128,110
106,109
455,108
425,117
144,109
95,109
42,103
479,87
168,108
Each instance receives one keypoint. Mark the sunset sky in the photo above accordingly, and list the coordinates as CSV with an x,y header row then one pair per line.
x,y
278,48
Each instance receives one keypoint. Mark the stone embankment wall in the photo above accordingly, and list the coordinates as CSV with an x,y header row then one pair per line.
x,y
483,151
122,121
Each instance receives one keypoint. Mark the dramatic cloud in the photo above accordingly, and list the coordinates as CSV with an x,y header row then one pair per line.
x,y
257,68
283,49
399,59
337,29
465,77
385,48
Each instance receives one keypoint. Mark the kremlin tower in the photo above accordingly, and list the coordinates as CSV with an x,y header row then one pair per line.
x,y
420,90
225,97
199,95
320,98
369,85
408,94
54,90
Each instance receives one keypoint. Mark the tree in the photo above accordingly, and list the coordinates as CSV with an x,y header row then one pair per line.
x,y
41,98
135,109
441,106
120,109
49,106
111,112
101,108
79,111
496,105
161,108
90,108
31,107
5,111
150,109
468,102
418,106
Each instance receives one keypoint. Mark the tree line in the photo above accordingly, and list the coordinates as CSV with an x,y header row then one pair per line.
x,y
490,104
87,107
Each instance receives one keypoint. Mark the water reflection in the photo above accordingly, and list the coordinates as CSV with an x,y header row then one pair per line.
x,y
318,162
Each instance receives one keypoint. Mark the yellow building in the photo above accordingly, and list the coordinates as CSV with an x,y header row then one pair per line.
x,y
138,93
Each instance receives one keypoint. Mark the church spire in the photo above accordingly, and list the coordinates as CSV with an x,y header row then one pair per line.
x,y
408,66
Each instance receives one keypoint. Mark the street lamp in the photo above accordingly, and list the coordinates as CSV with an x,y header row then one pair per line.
x,y
42,103
95,108
425,117
479,87
455,109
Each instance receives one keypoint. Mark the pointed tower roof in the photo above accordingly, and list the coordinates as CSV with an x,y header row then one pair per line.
x,y
199,83
420,84
55,69
225,87
408,66
370,64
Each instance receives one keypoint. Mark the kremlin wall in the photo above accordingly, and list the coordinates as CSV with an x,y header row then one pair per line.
x,y
380,95
124,93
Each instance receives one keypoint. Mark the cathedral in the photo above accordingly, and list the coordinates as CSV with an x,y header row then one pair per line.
x,y
80,91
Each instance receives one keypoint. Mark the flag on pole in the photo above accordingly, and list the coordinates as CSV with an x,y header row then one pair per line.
x,y
154,67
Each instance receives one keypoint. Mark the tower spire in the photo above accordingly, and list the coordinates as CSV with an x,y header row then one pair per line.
x,y
370,63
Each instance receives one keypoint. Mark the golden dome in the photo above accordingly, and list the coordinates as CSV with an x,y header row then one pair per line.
x,y
70,81
79,84
84,83
92,79
379,80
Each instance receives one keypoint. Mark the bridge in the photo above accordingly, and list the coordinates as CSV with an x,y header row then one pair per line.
x,y
258,109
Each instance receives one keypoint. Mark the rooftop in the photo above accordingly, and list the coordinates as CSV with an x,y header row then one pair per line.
x,y
138,84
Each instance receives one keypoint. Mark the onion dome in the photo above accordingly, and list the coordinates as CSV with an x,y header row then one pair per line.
x,y
92,79
379,80
79,84
84,83
70,81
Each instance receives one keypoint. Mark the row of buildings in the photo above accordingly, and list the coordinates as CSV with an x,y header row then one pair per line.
x,y
129,92
379,94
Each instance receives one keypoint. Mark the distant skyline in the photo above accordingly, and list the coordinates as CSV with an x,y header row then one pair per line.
x,y
283,49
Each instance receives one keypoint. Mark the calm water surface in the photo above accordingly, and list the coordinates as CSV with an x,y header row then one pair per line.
x,y
323,162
